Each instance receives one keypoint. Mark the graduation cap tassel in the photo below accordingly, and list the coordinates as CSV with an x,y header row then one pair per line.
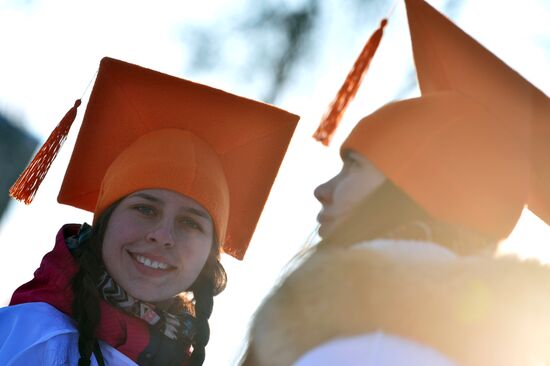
x,y
26,186
332,118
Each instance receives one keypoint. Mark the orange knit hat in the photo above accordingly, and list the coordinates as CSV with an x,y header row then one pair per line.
x,y
463,149
450,156
144,129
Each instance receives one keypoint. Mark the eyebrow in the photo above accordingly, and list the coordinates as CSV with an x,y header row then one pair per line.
x,y
198,212
148,197
191,210
348,154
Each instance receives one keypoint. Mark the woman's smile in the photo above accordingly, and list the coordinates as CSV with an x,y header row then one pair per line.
x,y
150,265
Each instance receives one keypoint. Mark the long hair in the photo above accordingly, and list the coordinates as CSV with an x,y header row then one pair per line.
x,y
390,213
86,311
210,282
86,297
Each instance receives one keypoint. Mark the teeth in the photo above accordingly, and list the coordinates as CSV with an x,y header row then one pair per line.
x,y
149,263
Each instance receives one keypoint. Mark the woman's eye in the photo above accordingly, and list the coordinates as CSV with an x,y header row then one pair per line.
x,y
191,223
145,210
350,162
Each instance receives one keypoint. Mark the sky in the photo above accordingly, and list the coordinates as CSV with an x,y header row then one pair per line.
x,y
51,51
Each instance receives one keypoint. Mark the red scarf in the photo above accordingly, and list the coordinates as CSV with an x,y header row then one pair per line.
x,y
52,284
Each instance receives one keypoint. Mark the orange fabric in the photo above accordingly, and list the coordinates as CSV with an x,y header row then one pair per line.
x,y
180,162
450,156
447,58
464,150
144,129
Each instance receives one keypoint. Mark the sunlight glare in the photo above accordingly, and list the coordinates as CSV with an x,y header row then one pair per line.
x,y
530,239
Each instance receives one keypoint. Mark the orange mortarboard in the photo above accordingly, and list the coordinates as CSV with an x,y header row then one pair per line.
x,y
441,48
462,149
145,129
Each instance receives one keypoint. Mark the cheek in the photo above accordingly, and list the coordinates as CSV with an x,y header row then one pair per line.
x,y
193,256
112,245
124,229
349,191
119,233
202,254
353,189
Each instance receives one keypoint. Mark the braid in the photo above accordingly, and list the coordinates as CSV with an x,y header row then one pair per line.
x,y
210,282
85,306
204,303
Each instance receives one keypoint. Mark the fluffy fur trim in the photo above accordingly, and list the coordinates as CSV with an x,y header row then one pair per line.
x,y
477,311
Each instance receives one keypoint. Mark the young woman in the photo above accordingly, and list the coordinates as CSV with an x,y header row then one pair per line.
x,y
428,187
174,173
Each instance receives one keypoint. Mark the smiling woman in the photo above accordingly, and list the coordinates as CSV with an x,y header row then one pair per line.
x,y
175,173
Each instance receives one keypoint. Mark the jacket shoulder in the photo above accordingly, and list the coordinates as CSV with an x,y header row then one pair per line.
x,y
39,334
36,333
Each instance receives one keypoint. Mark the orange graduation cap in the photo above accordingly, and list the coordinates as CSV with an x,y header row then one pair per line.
x,y
441,48
463,149
145,129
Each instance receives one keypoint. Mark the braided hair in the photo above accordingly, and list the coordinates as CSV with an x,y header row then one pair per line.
x,y
211,281
85,307
86,297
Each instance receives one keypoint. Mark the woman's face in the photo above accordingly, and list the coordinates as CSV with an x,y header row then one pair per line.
x,y
357,179
156,243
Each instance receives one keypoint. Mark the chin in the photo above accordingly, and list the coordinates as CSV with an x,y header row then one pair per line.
x,y
144,295
327,228
323,231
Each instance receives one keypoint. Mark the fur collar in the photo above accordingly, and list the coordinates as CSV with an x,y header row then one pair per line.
x,y
417,250
475,310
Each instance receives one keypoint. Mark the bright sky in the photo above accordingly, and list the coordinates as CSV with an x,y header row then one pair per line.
x,y
53,50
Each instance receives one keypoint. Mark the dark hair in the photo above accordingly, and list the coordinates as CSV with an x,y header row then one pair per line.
x,y
390,213
210,282
85,304
86,312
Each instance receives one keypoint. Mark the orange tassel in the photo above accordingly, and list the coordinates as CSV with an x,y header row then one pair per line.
x,y
332,118
26,186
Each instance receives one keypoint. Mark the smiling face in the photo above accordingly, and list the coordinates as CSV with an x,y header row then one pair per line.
x,y
357,179
156,243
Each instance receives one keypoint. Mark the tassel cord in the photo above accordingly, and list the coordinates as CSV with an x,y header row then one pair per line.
x,y
26,186
347,91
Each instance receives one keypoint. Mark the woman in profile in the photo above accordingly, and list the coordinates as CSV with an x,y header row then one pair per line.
x,y
404,273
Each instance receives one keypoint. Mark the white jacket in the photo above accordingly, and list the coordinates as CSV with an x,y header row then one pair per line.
x,y
39,334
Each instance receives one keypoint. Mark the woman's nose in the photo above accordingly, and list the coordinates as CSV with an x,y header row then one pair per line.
x,y
161,234
323,192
